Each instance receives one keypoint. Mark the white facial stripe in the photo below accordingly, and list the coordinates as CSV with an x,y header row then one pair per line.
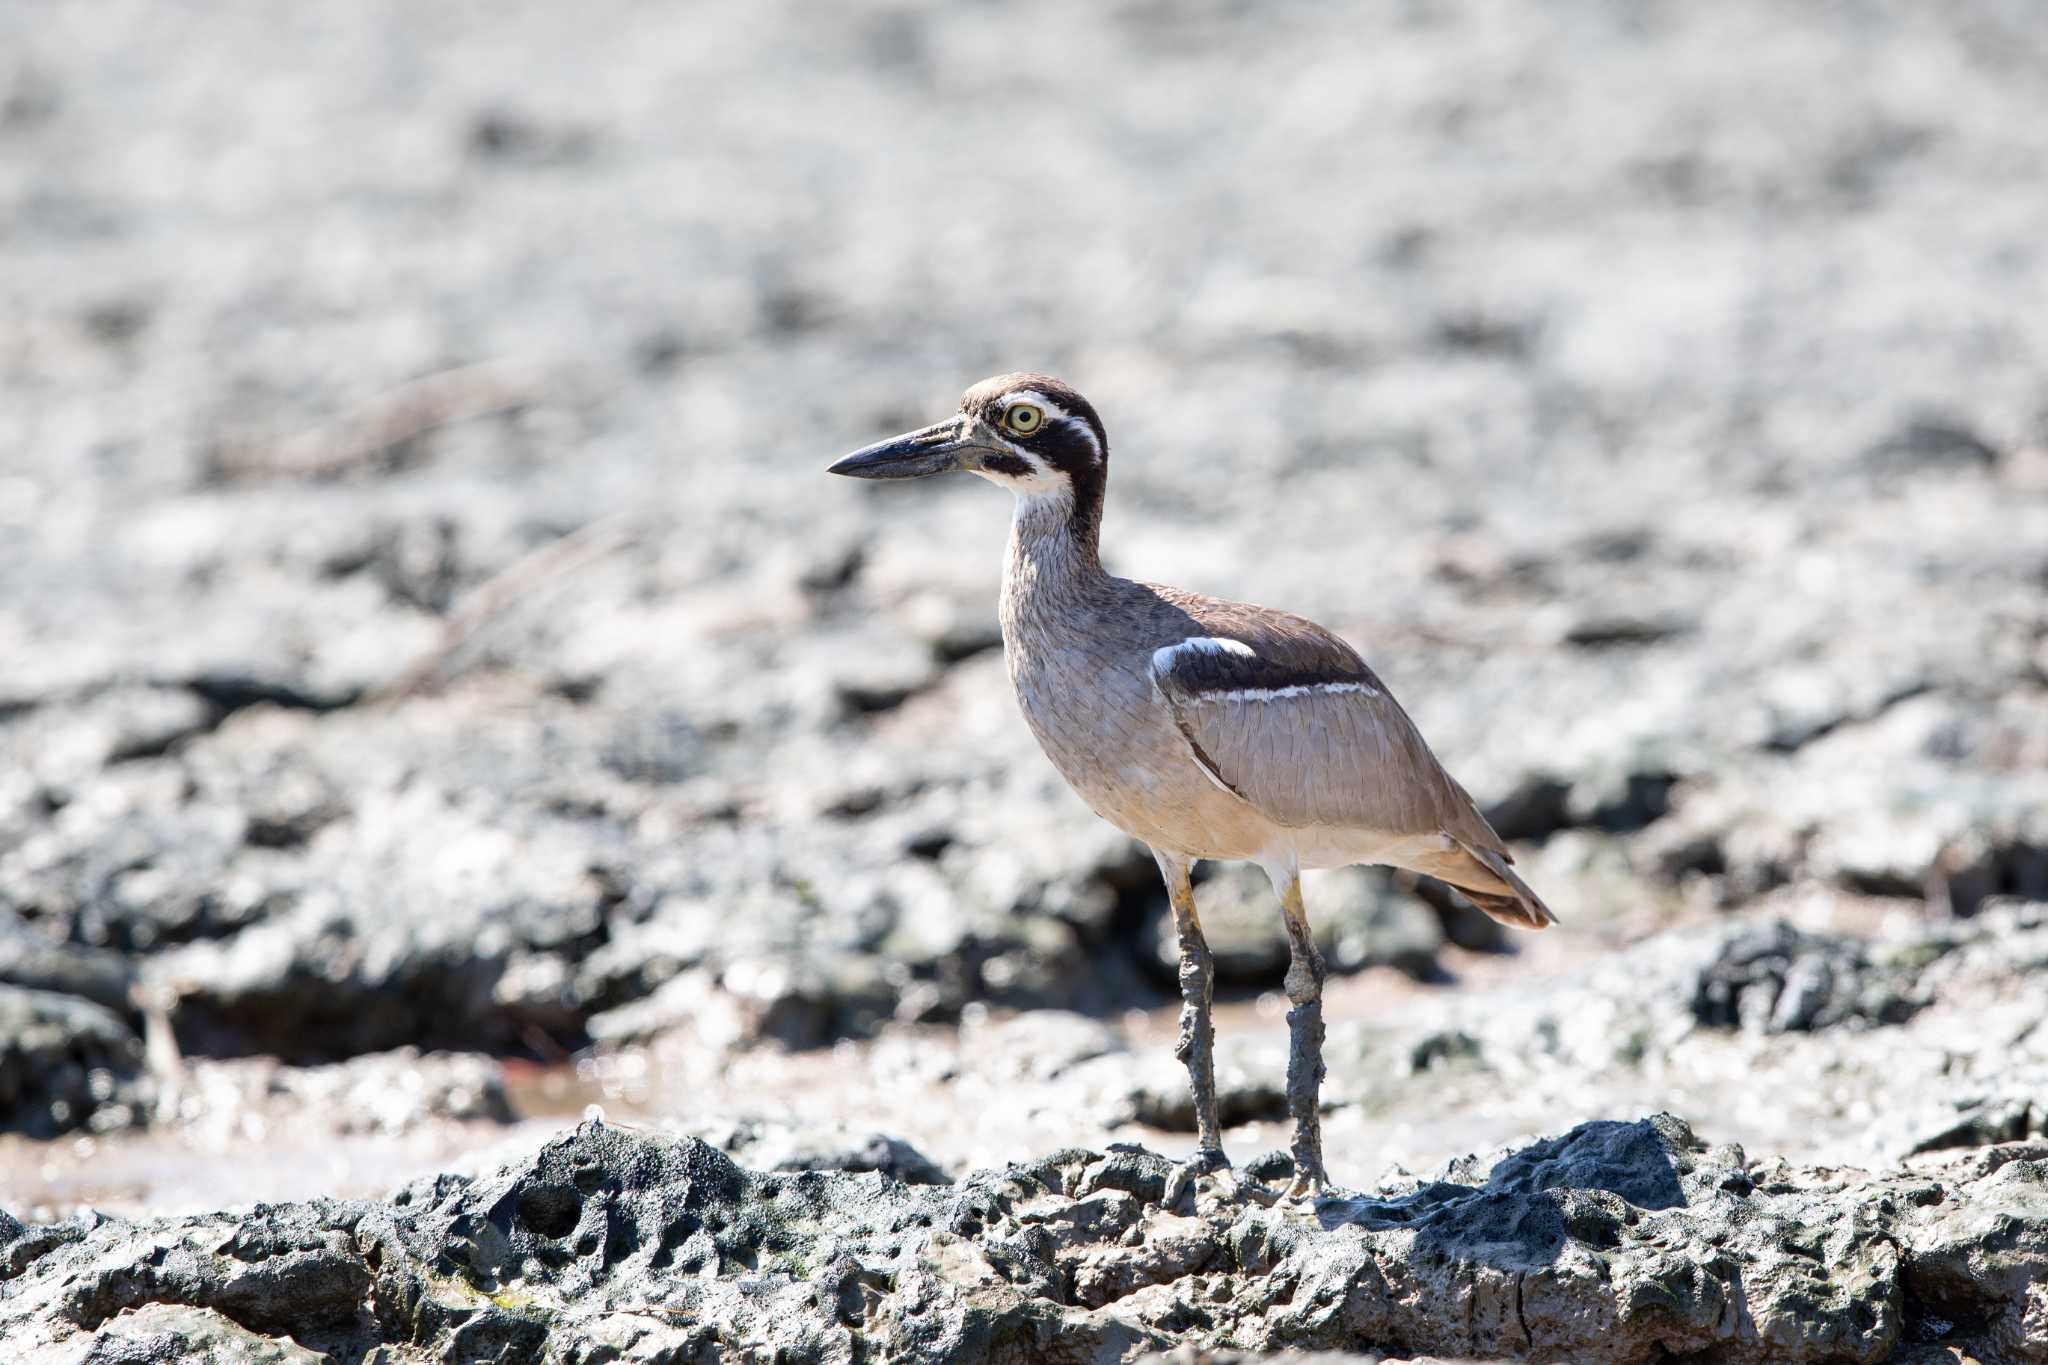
x,y
1285,693
1037,400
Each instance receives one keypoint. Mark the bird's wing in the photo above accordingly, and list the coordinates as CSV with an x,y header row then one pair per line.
x,y
1289,718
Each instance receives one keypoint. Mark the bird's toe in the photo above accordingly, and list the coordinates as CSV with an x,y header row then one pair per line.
x,y
1306,1188
1213,1184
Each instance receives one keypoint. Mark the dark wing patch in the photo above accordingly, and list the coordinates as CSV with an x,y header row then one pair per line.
x,y
1197,671
1265,652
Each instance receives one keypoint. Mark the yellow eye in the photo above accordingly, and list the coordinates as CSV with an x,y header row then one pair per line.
x,y
1023,419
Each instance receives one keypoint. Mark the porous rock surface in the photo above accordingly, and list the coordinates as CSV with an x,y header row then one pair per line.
x,y
1616,1242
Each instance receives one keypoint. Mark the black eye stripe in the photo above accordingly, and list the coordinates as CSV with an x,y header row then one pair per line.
x,y
1066,442
1014,466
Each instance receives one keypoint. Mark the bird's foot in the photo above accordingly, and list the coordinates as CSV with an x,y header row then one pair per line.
x,y
1207,1174
1307,1185
1306,1188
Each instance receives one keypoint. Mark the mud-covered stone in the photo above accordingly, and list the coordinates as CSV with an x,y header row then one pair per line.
x,y
766,1145
1614,1242
174,1334
1771,978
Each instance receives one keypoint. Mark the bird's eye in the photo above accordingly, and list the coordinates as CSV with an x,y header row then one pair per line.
x,y
1023,419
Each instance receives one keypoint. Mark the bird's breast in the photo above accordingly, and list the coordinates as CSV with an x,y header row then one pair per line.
x,y
1091,705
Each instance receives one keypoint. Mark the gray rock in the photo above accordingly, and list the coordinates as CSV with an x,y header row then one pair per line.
x,y
40,961
1616,1242
1774,979
1931,442
1157,1095
771,1146
64,1063
21,1244
175,1334
70,739
382,1093
135,866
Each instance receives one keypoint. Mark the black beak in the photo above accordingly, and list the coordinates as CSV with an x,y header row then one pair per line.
x,y
934,450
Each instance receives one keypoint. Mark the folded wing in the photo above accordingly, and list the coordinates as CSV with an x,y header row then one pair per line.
x,y
1289,718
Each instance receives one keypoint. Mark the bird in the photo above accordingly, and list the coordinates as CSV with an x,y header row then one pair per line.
x,y
1206,729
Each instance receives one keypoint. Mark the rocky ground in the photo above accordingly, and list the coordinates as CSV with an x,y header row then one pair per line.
x,y
439,691
1614,1242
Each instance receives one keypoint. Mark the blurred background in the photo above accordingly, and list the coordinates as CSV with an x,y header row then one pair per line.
x,y
440,690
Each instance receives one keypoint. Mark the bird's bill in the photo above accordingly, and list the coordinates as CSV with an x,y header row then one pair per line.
x,y
937,449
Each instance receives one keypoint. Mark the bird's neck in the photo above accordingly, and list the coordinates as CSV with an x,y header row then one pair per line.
x,y
1053,547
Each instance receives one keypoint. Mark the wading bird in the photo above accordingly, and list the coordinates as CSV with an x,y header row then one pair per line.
x,y
1203,728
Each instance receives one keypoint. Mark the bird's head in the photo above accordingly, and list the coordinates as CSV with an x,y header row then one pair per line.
x,y
1028,432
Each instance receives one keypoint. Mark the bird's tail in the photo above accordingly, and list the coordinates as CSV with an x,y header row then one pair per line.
x,y
1484,877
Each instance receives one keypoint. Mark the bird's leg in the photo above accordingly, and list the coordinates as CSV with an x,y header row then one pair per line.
x,y
1196,1047
1305,973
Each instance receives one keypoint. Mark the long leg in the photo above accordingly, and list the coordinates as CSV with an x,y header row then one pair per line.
x,y
1305,973
1197,1042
